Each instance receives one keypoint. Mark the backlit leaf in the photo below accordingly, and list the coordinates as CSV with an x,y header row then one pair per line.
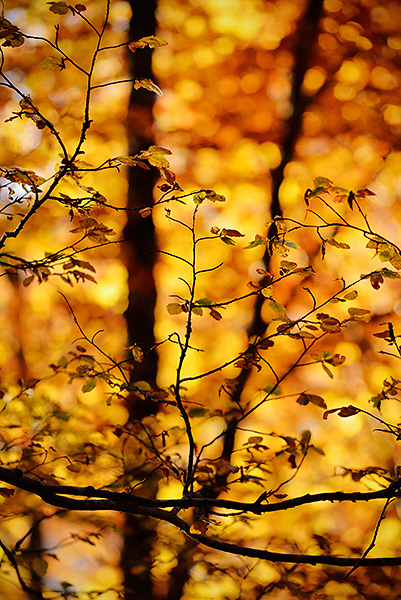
x,y
152,41
50,63
258,241
351,295
322,182
150,85
89,385
277,308
173,308
228,241
343,245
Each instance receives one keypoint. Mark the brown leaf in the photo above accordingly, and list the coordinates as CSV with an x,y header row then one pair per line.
x,y
343,411
305,398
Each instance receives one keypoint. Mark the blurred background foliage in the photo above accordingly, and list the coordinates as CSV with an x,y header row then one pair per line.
x,y
227,76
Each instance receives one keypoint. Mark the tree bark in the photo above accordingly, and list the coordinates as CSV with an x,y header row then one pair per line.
x,y
140,254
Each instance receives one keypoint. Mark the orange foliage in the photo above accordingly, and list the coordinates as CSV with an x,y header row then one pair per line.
x,y
329,284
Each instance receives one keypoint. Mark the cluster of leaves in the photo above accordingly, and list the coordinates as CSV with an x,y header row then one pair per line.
x,y
172,444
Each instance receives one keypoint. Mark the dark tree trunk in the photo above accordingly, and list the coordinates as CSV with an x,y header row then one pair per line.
x,y
140,257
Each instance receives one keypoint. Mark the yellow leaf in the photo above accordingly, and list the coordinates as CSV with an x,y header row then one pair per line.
x,y
351,295
50,63
147,84
267,292
357,312
173,308
278,308
152,41
158,150
137,353
157,160
124,160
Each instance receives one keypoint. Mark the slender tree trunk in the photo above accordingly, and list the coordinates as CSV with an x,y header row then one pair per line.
x,y
140,257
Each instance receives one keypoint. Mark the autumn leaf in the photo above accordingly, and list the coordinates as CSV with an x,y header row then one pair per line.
x,y
322,182
199,527
198,412
51,63
152,41
213,197
148,84
59,8
336,244
277,308
89,385
215,314
28,280
157,160
205,302
10,33
358,313
351,295
344,411
137,353
228,241
173,308
305,399
267,292
258,241
329,324
168,175
145,212
124,160
25,177
231,233
336,359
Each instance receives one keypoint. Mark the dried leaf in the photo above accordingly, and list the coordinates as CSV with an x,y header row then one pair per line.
x,y
232,233
215,314
28,280
344,411
305,398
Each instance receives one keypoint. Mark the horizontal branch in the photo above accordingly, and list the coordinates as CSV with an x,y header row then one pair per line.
x,y
45,490
65,496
